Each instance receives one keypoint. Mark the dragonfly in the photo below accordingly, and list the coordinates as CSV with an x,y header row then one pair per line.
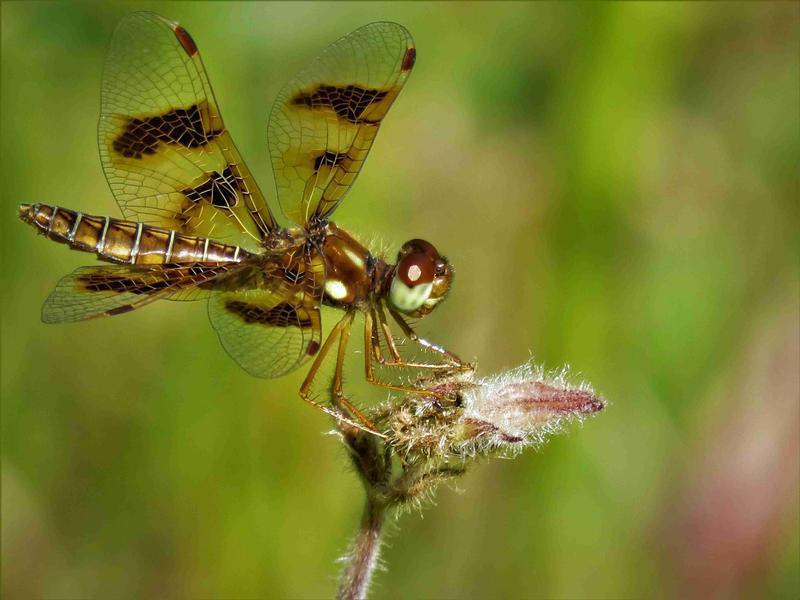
x,y
195,225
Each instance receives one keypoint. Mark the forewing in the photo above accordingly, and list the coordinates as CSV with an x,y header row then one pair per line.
x,y
269,322
90,292
165,151
325,120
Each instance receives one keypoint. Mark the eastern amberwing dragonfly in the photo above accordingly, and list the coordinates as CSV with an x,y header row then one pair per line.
x,y
196,226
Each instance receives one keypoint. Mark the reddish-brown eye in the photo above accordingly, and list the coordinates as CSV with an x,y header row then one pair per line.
x,y
415,269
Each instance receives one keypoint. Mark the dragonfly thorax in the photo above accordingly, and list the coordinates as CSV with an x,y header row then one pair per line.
x,y
352,273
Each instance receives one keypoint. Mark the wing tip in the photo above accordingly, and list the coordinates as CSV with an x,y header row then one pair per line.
x,y
47,315
185,40
409,59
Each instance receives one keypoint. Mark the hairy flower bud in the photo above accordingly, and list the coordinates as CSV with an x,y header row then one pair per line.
x,y
471,416
432,435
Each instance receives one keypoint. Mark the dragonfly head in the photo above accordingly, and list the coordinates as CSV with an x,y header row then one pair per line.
x,y
420,280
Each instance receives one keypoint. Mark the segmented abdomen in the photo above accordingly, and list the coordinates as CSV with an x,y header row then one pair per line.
x,y
121,241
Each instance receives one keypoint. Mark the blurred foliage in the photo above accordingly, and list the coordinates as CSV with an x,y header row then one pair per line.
x,y
617,186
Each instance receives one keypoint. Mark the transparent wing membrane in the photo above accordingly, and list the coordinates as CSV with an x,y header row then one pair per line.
x,y
269,318
325,120
165,151
99,291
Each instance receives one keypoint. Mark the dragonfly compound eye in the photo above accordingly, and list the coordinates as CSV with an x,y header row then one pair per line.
x,y
412,282
421,278
416,269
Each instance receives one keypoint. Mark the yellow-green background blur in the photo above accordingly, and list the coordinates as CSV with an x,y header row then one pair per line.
x,y
617,187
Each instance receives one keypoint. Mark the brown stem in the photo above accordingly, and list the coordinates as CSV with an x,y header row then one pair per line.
x,y
362,558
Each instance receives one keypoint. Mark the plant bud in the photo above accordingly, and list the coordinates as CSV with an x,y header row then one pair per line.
x,y
473,416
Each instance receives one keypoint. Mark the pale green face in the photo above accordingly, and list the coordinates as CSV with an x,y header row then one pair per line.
x,y
421,279
408,299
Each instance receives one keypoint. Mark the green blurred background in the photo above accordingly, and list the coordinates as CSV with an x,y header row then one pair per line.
x,y
617,186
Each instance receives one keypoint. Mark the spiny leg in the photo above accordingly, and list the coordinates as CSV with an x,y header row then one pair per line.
x,y
337,391
410,334
378,318
335,333
372,347
397,360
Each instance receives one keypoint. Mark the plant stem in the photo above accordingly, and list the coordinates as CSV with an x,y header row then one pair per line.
x,y
362,558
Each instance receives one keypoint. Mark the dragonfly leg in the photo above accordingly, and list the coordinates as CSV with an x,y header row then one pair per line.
x,y
305,388
337,389
410,334
372,349
397,360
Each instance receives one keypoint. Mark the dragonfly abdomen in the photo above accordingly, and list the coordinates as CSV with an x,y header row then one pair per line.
x,y
120,241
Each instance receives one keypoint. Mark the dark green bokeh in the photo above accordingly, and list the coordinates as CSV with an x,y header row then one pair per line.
x,y
616,185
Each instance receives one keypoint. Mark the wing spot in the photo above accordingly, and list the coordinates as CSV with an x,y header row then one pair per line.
x,y
221,191
409,59
99,282
294,274
119,310
349,102
186,40
183,126
280,315
327,158
102,281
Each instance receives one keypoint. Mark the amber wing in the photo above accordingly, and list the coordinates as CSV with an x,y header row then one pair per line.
x,y
104,291
266,310
325,120
267,315
167,156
